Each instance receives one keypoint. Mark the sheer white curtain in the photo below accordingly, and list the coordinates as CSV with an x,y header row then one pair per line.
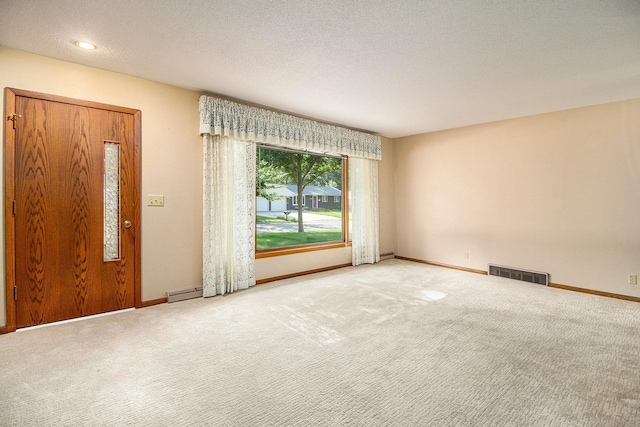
x,y
229,214
365,236
230,132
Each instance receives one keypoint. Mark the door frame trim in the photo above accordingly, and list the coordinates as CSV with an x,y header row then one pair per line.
x,y
9,192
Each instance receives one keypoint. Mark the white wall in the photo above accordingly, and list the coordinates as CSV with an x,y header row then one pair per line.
x,y
278,205
262,204
557,192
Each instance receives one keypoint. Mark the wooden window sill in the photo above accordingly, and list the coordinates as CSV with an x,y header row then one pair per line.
x,y
290,250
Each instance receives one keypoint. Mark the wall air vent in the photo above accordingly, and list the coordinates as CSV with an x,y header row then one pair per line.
x,y
518,274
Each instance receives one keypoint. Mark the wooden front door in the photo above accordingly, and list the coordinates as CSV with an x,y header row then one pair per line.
x,y
75,209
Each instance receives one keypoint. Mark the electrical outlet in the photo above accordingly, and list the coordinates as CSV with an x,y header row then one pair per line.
x,y
466,255
633,279
155,200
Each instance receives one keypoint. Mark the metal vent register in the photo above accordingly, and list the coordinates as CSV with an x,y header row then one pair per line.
x,y
183,295
518,274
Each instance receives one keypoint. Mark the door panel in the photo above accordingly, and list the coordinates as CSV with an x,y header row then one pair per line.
x,y
59,211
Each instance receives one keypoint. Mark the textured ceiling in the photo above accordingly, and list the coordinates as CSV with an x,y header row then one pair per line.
x,y
392,67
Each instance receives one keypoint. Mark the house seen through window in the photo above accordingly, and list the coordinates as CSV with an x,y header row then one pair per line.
x,y
299,199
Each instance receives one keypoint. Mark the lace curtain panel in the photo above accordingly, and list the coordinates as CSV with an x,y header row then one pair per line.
x,y
230,132
242,122
229,215
365,240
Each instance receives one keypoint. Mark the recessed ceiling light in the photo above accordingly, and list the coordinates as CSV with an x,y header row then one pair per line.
x,y
85,45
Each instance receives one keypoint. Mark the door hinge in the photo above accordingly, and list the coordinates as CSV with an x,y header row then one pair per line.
x,y
13,117
15,292
14,208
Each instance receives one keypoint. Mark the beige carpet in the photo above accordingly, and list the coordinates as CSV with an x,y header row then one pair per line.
x,y
394,344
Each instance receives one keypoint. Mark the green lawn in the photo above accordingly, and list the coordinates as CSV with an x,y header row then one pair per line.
x,y
335,214
277,240
261,218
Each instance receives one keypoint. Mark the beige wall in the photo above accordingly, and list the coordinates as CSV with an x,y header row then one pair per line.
x,y
557,192
171,165
171,159
387,199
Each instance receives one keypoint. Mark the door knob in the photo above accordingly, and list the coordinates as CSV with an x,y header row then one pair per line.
x,y
127,224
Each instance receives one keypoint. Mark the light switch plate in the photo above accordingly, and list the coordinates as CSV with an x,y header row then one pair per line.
x,y
155,200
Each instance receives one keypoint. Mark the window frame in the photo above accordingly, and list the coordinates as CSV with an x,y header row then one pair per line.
x,y
309,247
294,200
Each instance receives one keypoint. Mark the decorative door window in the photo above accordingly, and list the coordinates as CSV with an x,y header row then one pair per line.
x,y
111,201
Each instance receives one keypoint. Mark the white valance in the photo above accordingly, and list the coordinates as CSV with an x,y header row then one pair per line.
x,y
242,122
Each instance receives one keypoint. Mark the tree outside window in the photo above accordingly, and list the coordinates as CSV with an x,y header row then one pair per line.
x,y
284,178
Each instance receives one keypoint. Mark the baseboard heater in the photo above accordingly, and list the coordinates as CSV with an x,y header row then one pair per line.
x,y
183,295
519,274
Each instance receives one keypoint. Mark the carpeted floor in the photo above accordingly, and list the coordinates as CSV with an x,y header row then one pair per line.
x,y
393,344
